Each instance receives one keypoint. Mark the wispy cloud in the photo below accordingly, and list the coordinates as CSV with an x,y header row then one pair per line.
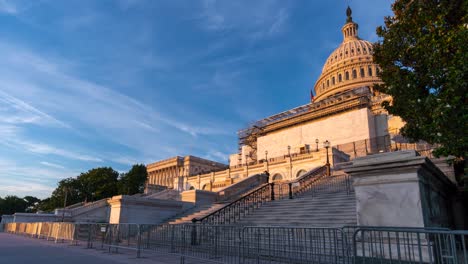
x,y
261,18
7,6
23,179
14,110
55,91
11,139
53,165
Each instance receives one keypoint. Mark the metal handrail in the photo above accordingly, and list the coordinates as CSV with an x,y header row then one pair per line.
x,y
302,184
316,181
234,210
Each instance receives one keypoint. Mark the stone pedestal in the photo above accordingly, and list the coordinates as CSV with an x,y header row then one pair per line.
x,y
198,197
136,210
400,189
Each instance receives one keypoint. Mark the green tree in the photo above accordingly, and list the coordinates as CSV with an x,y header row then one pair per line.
x,y
32,203
69,186
422,54
134,180
99,183
12,204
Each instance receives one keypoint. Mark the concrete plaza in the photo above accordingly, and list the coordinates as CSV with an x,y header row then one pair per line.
x,y
16,249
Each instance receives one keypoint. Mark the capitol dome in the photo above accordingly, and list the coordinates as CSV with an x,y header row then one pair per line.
x,y
349,66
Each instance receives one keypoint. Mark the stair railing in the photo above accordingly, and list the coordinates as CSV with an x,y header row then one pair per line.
x,y
315,181
302,184
233,211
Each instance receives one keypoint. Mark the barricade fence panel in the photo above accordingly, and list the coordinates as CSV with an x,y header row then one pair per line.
x,y
410,245
257,244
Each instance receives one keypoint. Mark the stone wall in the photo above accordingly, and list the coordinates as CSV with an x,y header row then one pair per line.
x,y
338,129
401,189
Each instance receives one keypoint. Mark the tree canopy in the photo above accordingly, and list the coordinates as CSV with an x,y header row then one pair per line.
x,y
13,204
133,181
422,54
96,184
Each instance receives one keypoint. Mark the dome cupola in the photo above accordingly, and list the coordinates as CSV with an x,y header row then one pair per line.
x,y
349,66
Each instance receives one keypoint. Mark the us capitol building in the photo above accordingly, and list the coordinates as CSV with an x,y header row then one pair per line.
x,y
318,153
344,120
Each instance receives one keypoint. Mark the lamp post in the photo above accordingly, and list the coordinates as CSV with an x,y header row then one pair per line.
x,y
290,162
326,145
65,189
247,165
266,158
316,144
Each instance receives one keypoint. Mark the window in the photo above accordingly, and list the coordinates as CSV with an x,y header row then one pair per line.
x,y
362,72
333,80
370,71
328,83
347,75
340,79
277,177
354,74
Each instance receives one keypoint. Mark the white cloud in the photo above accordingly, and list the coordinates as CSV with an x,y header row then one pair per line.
x,y
7,6
14,110
255,19
23,179
41,90
53,165
11,137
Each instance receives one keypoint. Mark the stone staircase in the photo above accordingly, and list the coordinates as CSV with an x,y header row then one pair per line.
x,y
333,209
195,212
330,202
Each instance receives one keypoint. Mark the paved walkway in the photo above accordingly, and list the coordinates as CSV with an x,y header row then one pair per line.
x,y
16,249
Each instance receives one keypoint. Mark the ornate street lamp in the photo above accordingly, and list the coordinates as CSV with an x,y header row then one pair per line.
x,y
247,165
290,162
266,158
316,144
326,145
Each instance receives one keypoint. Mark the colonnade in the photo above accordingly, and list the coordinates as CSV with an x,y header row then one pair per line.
x,y
164,177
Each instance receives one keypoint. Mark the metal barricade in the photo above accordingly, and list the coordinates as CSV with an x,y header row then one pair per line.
x,y
293,245
256,244
409,245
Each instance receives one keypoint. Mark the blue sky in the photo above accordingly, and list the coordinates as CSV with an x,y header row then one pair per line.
x,y
85,84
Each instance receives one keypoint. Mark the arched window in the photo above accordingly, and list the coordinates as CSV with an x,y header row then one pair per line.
x,y
347,75
362,72
370,71
333,80
340,79
354,74
300,173
328,83
323,86
192,188
277,177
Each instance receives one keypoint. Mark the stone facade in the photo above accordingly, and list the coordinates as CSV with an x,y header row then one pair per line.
x,y
167,172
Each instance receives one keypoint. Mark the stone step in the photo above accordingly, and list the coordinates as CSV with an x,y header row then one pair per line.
x,y
307,208
311,202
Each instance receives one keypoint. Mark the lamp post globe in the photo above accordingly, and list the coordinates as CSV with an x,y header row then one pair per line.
x,y
326,145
